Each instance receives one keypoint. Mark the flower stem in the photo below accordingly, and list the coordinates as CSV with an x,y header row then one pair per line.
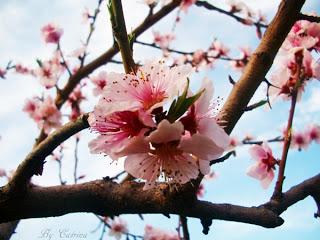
x,y
288,133
121,36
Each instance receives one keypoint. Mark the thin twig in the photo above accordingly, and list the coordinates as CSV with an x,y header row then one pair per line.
x,y
64,62
185,230
76,160
209,6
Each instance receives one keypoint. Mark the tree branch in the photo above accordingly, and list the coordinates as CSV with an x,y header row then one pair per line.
x,y
209,6
309,18
110,198
260,62
120,33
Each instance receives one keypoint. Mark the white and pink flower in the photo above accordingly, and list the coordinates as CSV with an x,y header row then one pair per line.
x,y
150,88
51,33
118,228
132,123
44,113
99,81
263,169
300,140
163,40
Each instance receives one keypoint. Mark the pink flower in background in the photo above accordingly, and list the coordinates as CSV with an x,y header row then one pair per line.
x,y
2,173
165,152
201,118
2,73
22,69
151,88
163,40
185,4
264,167
50,71
100,81
201,191
242,60
118,227
217,49
303,34
284,78
300,140
151,233
44,113
85,15
51,33
314,133
116,131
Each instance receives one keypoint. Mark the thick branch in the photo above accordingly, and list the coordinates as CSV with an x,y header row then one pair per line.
x,y
109,198
260,62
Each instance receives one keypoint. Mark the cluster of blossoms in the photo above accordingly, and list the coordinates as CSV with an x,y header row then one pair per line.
x,y
163,40
175,144
204,58
249,15
296,62
44,112
50,71
302,139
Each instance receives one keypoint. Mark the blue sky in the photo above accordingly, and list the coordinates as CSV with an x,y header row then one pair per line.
x,y
20,23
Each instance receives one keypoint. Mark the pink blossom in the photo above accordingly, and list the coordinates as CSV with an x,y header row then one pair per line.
x,y
50,71
163,40
2,73
100,81
284,78
44,113
300,140
185,4
303,34
51,33
2,173
165,152
118,227
150,88
75,98
201,191
201,118
78,53
151,233
116,131
314,133
22,69
234,142
217,49
85,15
264,167
242,61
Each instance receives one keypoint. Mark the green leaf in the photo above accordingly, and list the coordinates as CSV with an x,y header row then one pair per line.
x,y
39,62
180,105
